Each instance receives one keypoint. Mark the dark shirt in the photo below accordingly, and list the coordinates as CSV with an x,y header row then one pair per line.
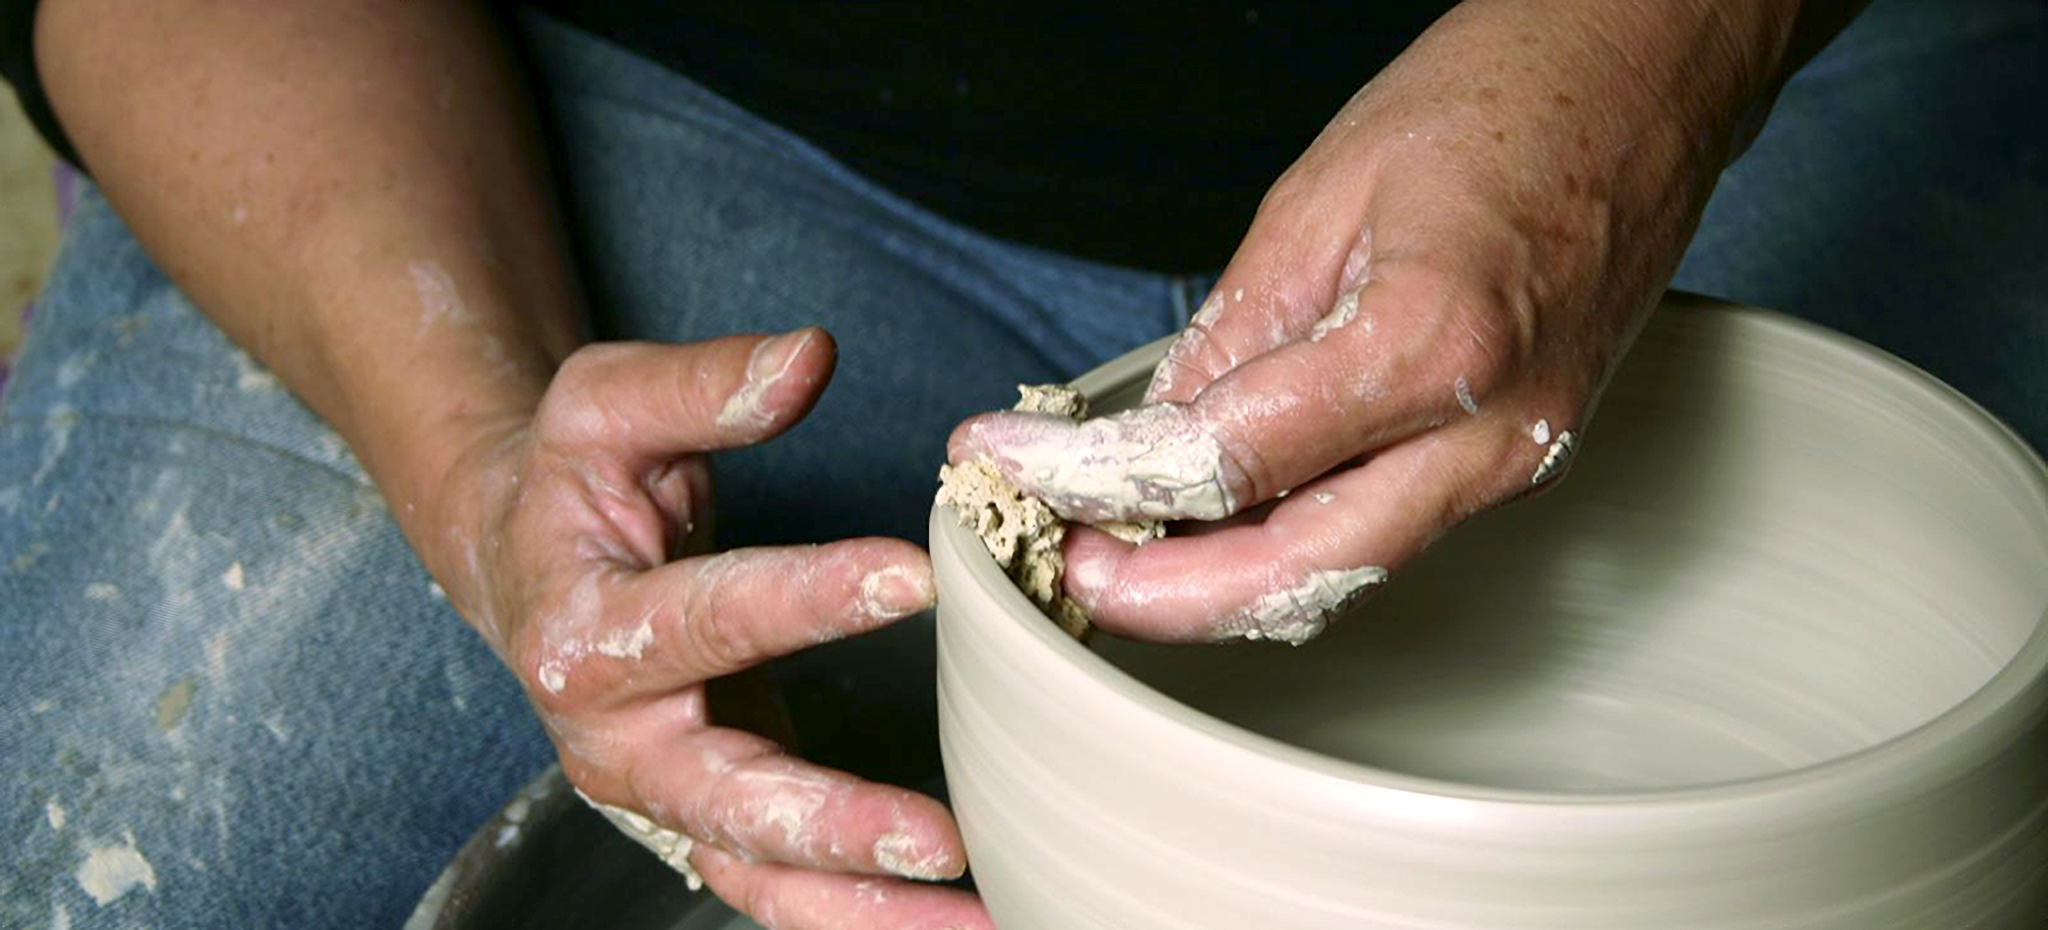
x,y
1138,135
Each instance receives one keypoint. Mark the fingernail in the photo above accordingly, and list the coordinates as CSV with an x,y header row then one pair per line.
x,y
897,591
772,358
1086,580
747,407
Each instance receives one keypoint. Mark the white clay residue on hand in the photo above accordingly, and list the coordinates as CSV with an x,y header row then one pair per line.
x,y
897,853
1558,456
564,634
1339,316
1462,390
1298,613
748,406
628,644
1153,463
440,302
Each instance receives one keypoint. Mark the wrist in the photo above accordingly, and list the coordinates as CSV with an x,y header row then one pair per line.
x,y
457,519
433,402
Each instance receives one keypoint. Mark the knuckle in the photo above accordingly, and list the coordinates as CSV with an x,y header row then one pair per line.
x,y
1518,465
1481,349
757,900
1487,467
566,411
1245,473
721,637
1287,194
587,365
1192,356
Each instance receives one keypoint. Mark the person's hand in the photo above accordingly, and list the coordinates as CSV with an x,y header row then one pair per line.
x,y
563,552
1414,329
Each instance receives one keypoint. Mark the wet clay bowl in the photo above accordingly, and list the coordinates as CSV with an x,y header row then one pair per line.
x,y
1772,656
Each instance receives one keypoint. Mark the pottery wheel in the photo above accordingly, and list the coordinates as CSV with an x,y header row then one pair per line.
x,y
547,860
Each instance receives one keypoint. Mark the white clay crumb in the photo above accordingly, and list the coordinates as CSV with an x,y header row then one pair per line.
x,y
1556,458
233,577
1322,497
1055,399
671,847
113,870
553,676
1540,432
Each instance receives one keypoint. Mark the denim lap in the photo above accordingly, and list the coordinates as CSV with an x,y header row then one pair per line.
x,y
235,699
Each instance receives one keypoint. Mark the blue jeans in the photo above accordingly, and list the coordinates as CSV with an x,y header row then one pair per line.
x,y
232,697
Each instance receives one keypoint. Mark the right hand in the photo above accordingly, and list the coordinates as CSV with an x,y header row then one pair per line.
x,y
562,550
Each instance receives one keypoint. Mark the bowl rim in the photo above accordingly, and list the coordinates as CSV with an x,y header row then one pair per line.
x,y
1968,730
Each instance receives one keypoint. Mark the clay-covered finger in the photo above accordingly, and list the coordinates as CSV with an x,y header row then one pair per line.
x,y
1264,427
651,402
743,793
781,897
622,636
1159,461
1318,552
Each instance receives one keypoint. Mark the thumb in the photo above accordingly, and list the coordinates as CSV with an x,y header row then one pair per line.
x,y
654,402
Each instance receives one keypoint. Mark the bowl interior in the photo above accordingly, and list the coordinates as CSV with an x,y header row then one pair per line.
x,y
1777,548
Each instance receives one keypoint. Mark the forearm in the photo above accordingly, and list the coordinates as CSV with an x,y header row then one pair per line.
x,y
1712,67
352,190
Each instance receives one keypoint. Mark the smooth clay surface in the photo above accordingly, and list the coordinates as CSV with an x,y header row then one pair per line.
x,y
1772,656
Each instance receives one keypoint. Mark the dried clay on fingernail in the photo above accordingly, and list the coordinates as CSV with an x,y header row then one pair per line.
x,y
748,406
1021,532
897,854
896,591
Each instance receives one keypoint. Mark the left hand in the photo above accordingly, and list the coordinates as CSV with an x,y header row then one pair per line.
x,y
1426,305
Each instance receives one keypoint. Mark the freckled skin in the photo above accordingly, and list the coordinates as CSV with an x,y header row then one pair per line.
x,y
1512,216
616,637
291,204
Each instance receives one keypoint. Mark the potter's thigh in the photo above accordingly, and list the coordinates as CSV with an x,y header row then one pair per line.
x,y
230,696
1900,193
